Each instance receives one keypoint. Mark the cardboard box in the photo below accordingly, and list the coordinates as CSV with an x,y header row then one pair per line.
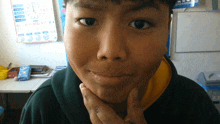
x,y
13,72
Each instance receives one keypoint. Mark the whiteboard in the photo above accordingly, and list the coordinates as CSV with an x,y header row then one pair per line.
x,y
198,32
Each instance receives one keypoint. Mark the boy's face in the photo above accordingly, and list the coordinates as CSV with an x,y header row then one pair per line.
x,y
113,48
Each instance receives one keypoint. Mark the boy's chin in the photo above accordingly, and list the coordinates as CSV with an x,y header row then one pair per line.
x,y
113,100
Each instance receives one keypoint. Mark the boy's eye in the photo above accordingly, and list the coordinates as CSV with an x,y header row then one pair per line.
x,y
88,21
141,24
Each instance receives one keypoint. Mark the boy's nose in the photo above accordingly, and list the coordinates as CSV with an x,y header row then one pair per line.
x,y
112,45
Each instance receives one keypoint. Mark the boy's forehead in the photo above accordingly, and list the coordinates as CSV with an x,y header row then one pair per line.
x,y
138,4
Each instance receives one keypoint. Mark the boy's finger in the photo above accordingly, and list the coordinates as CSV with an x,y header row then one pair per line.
x,y
135,110
93,117
99,112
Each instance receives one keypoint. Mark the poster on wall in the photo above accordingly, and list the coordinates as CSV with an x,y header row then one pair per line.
x,y
62,10
34,21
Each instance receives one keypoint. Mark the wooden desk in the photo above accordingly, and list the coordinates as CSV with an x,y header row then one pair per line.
x,y
11,86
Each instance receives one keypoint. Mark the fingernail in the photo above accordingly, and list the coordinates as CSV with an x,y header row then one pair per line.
x,y
81,86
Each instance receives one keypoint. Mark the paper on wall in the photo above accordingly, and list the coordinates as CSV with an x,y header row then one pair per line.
x,y
34,21
62,9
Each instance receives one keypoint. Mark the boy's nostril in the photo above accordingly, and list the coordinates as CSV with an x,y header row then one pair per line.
x,y
104,57
118,58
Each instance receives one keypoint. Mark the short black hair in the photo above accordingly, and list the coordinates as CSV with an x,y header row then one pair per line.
x,y
170,3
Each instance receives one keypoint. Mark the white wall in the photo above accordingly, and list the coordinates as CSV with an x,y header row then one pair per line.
x,y
21,54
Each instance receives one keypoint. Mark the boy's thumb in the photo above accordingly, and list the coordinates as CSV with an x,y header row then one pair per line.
x,y
135,109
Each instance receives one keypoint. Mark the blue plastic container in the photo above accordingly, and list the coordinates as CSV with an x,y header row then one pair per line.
x,y
1,111
209,87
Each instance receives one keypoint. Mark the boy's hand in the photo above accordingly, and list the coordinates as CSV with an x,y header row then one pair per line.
x,y
101,113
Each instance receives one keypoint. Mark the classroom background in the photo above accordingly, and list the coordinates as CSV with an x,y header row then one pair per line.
x,y
190,51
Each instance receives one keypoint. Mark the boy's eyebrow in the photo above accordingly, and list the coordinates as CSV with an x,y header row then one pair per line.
x,y
136,7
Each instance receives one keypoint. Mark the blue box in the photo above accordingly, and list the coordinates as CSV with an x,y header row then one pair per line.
x,y
24,73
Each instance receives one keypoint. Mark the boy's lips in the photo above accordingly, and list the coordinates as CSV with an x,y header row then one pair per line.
x,y
111,78
110,74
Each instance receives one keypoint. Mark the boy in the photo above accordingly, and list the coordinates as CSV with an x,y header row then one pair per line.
x,y
116,51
